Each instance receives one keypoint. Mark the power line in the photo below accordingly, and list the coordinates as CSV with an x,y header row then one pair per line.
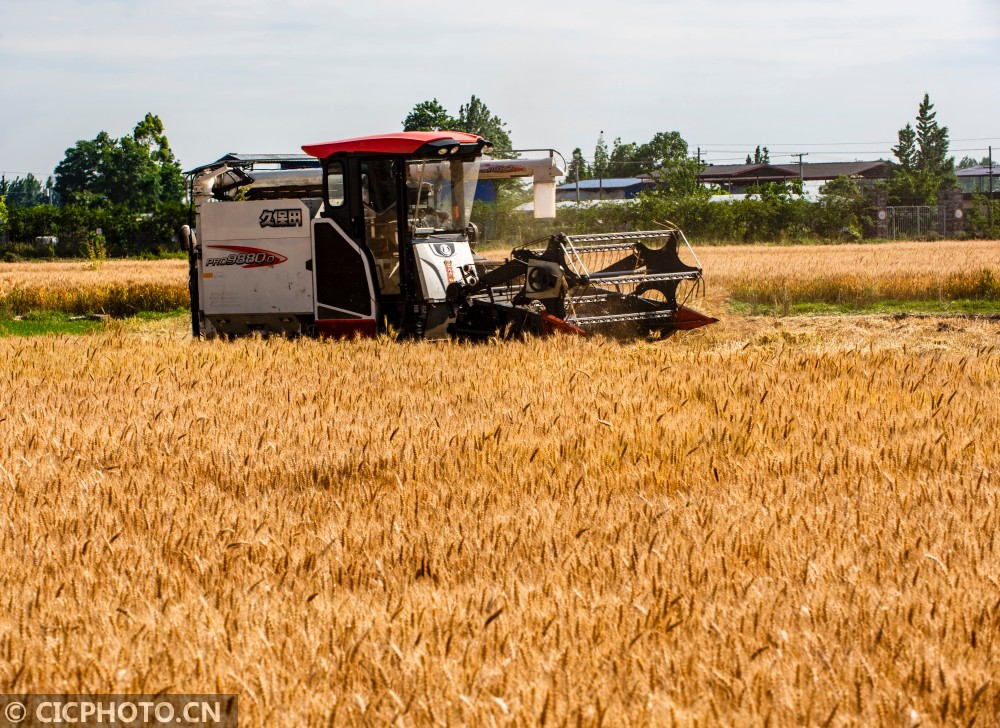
x,y
831,144
37,175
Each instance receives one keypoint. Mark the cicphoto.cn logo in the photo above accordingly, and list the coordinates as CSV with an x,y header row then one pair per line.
x,y
28,711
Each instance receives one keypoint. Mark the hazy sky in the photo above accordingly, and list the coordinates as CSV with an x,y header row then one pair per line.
x,y
833,78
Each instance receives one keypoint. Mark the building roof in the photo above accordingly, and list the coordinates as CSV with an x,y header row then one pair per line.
x,y
608,183
750,172
809,170
982,170
829,170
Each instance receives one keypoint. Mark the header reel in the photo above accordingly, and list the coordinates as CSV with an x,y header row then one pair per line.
x,y
616,284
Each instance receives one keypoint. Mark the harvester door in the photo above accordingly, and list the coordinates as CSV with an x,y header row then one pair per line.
x,y
343,281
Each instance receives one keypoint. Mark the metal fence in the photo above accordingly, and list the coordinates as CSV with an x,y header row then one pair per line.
x,y
912,221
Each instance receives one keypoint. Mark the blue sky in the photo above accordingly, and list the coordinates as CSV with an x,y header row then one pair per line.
x,y
832,78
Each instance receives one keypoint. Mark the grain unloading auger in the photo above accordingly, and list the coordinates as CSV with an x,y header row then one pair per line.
x,y
374,234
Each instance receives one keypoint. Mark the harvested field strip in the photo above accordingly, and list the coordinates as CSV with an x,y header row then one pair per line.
x,y
755,522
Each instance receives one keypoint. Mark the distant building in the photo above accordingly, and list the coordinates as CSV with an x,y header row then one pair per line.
x,y
738,178
612,188
977,180
735,179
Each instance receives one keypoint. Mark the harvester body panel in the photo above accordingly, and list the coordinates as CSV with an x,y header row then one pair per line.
x,y
254,262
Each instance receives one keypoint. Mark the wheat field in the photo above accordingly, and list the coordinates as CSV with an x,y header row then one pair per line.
x,y
77,274
117,288
778,521
942,257
855,274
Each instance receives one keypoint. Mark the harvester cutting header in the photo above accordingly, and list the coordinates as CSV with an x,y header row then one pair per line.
x,y
365,235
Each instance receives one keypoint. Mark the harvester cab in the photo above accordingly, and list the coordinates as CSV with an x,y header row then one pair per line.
x,y
373,234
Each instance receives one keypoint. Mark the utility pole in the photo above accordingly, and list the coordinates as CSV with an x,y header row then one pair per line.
x,y
990,208
800,155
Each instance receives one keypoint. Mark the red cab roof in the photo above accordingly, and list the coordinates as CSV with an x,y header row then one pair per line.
x,y
403,142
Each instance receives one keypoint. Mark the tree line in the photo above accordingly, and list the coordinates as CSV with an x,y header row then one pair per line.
x,y
120,196
131,188
922,167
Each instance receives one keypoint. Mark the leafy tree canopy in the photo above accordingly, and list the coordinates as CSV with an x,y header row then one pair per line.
x,y
140,170
429,116
629,159
665,156
906,150
760,156
680,176
578,167
969,162
924,167
22,192
664,148
601,157
473,117
932,142
623,160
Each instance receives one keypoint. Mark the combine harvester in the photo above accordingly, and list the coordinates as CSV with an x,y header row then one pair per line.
x,y
372,234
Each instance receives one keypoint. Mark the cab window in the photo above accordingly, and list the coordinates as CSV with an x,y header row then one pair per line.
x,y
335,184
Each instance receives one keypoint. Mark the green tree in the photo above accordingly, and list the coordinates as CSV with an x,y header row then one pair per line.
x,y
760,156
476,118
129,175
623,160
578,167
24,192
665,148
80,170
984,217
4,216
906,150
680,176
631,159
149,134
932,143
473,117
429,116
844,210
924,167
601,157
665,156
138,170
